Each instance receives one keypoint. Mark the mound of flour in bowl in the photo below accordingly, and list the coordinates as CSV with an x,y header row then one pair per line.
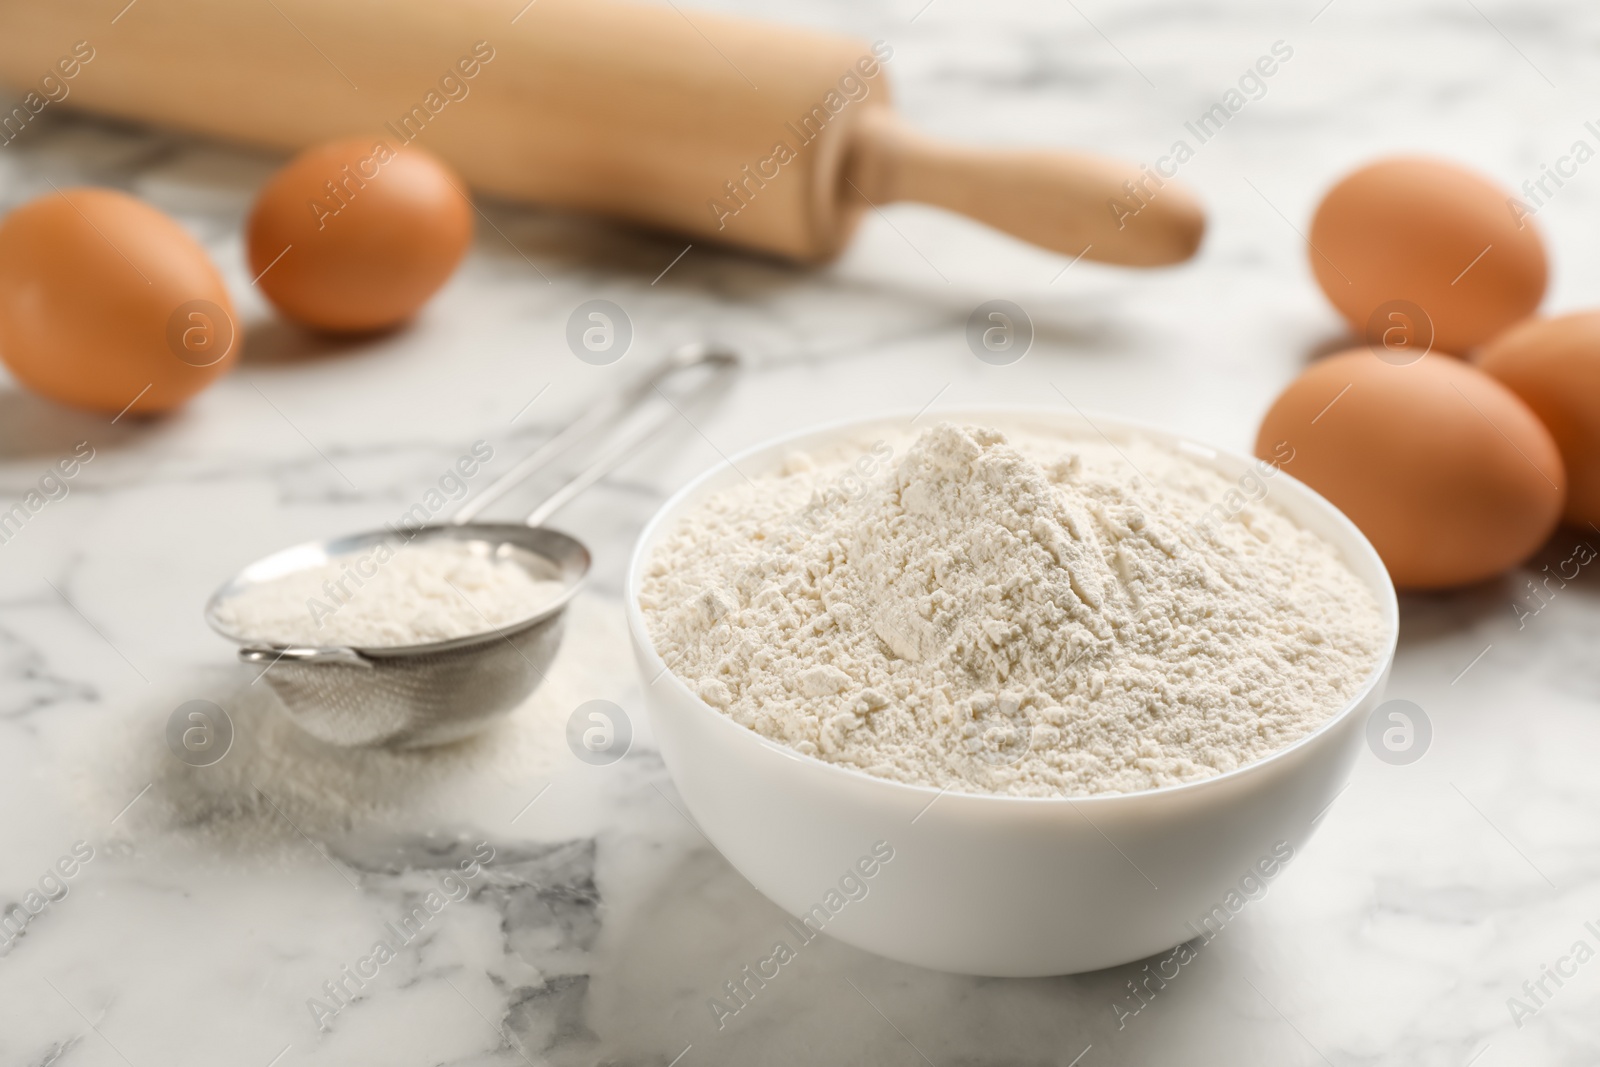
x,y
1034,616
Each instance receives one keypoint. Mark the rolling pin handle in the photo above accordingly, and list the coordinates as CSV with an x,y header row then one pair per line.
x,y
1073,204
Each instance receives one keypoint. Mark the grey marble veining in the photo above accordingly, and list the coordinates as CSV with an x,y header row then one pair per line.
x,y
219,900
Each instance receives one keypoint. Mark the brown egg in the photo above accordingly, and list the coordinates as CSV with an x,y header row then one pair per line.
x,y
1450,476
1554,366
356,235
105,303
1413,250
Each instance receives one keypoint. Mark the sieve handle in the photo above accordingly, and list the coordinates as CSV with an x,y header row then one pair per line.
x,y
680,359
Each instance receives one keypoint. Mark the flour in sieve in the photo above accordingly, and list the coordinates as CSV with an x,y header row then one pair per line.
x,y
1033,616
412,594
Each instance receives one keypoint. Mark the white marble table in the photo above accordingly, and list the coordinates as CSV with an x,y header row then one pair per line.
x,y
218,900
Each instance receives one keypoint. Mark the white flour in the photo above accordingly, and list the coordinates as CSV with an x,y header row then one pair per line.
x,y
424,591
1032,616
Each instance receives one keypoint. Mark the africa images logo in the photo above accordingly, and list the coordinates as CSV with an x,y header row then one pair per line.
x,y
853,885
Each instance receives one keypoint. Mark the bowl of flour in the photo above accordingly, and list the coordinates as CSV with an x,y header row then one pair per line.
x,y
1088,684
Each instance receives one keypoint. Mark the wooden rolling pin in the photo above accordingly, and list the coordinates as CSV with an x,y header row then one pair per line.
x,y
769,138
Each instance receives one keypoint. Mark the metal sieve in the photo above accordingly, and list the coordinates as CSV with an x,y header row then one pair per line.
x,y
413,696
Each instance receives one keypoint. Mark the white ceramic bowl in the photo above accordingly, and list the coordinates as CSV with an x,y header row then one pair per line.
x,y
999,885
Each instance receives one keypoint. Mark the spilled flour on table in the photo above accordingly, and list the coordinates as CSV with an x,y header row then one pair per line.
x,y
277,784
1037,616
